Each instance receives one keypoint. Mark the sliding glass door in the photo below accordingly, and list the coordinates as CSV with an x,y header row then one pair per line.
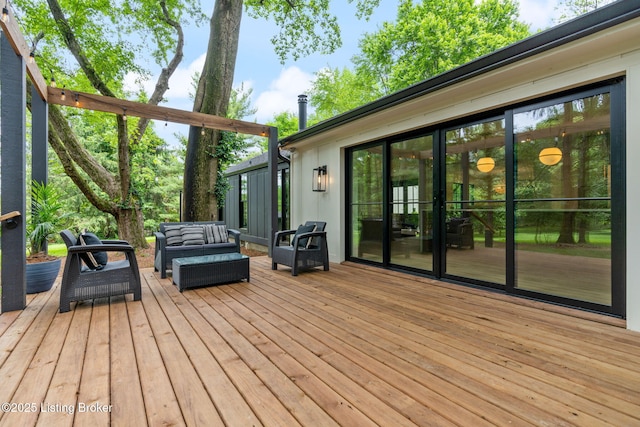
x,y
411,238
367,207
563,199
530,200
474,188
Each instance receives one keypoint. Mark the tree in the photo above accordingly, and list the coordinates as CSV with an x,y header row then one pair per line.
x,y
92,33
433,36
571,8
305,27
335,91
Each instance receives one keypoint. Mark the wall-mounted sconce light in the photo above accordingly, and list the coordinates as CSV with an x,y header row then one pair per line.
x,y
319,179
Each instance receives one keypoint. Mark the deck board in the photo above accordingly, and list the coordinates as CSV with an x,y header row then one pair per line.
x,y
353,346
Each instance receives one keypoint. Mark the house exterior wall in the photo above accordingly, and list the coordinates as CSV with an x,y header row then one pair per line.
x,y
633,201
614,52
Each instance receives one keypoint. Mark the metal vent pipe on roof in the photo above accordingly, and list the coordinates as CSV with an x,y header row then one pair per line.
x,y
302,112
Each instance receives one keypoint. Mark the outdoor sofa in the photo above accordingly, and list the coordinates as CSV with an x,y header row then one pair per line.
x,y
189,239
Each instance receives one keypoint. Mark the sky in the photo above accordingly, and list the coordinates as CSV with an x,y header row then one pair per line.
x,y
276,86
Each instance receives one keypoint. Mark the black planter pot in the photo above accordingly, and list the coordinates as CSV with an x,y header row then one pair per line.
x,y
42,275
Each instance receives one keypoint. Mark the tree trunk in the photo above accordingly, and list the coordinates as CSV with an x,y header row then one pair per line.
x,y
130,223
568,224
212,97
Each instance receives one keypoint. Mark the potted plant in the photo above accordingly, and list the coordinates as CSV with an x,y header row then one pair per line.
x,y
45,221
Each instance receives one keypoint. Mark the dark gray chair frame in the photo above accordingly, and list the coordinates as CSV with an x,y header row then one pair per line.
x,y
316,254
460,232
116,278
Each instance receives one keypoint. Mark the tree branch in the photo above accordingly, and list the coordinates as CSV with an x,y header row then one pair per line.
x,y
77,51
162,85
78,154
56,136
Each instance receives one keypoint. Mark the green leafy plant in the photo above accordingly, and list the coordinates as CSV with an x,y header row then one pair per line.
x,y
46,218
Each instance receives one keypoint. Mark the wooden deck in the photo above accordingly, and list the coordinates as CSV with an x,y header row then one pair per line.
x,y
354,346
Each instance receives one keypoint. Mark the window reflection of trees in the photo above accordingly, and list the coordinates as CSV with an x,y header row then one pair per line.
x,y
572,196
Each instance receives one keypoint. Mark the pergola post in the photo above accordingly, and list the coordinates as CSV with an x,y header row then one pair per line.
x,y
272,168
39,137
13,107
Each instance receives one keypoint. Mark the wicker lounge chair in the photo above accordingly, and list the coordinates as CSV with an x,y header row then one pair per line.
x,y
308,249
79,282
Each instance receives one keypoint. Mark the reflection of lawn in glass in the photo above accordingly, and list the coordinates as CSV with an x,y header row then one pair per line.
x,y
598,246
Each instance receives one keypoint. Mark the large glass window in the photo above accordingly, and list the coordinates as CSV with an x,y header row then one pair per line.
x,y
367,203
474,229
563,199
529,200
411,206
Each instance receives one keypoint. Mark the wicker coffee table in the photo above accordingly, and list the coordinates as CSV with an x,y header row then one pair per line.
x,y
191,272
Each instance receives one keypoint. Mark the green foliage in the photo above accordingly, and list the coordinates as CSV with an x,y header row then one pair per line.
x,y
46,217
113,36
433,36
335,91
305,27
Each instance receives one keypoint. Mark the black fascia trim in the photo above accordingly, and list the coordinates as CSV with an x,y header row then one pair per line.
x,y
583,26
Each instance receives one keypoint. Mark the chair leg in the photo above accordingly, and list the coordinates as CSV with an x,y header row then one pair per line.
x,y
274,266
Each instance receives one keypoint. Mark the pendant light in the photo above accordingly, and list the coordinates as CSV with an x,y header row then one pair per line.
x,y
485,164
551,155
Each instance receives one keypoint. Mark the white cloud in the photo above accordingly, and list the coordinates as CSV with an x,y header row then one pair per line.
x,y
282,94
538,13
179,83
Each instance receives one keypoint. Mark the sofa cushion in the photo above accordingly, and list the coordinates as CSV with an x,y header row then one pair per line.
x,y
192,235
173,233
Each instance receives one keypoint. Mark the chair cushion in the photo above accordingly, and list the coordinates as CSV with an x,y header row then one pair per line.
x,y
305,241
95,260
192,235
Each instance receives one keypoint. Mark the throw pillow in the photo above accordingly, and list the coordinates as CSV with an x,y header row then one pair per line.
x,y
192,235
220,234
208,233
173,234
95,260
305,241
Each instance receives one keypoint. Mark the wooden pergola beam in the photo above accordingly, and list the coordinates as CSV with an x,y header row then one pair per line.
x,y
21,47
89,101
